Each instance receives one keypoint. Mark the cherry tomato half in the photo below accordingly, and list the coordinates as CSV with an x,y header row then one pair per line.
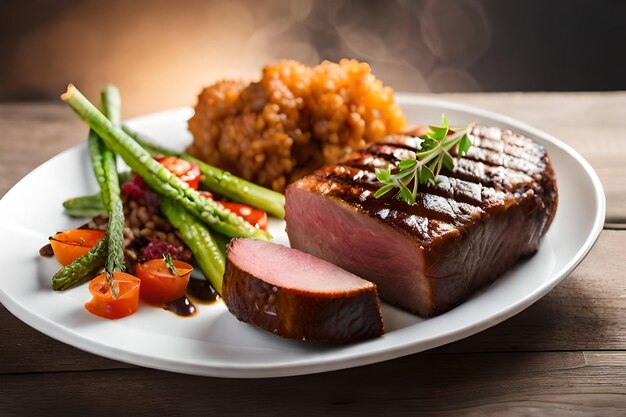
x,y
256,217
158,285
72,244
104,305
185,170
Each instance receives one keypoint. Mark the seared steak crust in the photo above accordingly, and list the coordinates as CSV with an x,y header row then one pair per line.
x,y
298,305
460,235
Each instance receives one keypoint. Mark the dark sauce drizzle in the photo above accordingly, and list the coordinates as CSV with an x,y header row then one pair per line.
x,y
181,307
46,251
201,291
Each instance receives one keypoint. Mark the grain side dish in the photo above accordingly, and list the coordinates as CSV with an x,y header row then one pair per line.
x,y
294,120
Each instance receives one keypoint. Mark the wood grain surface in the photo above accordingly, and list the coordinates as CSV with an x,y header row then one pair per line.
x,y
563,356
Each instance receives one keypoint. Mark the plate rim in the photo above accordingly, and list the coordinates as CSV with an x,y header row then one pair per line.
x,y
73,338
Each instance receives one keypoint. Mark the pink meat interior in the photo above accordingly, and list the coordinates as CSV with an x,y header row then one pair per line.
x,y
292,269
334,231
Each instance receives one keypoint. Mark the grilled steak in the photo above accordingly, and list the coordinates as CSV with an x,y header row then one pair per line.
x,y
299,296
484,215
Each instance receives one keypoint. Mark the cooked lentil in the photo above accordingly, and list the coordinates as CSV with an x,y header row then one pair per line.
x,y
144,224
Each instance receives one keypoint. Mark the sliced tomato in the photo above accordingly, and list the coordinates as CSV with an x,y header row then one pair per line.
x,y
183,169
72,244
103,303
158,284
256,217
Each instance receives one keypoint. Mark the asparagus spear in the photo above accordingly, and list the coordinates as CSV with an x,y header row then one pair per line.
x,y
90,205
224,183
222,242
205,249
109,252
155,175
85,206
82,269
94,148
111,104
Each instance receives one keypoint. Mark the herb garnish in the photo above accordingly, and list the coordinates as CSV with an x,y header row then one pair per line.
x,y
433,153
115,291
170,265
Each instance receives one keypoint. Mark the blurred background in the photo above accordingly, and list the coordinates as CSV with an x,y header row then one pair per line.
x,y
160,53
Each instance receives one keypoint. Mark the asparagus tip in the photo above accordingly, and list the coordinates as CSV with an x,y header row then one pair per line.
x,y
71,90
110,86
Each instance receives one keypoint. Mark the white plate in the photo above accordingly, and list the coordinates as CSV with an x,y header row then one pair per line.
x,y
214,342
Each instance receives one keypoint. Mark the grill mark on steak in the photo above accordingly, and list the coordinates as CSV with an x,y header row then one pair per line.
x,y
390,152
466,170
470,170
471,193
495,159
389,157
498,177
526,153
401,141
349,175
500,140
486,170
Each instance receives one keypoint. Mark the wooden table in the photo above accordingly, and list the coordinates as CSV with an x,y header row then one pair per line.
x,y
565,355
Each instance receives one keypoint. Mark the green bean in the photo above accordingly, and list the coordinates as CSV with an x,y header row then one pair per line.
x,y
205,249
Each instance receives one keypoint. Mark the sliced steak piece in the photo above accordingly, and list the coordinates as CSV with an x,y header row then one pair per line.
x,y
460,235
298,296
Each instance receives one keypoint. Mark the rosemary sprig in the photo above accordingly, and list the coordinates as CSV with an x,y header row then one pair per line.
x,y
169,264
432,153
115,290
